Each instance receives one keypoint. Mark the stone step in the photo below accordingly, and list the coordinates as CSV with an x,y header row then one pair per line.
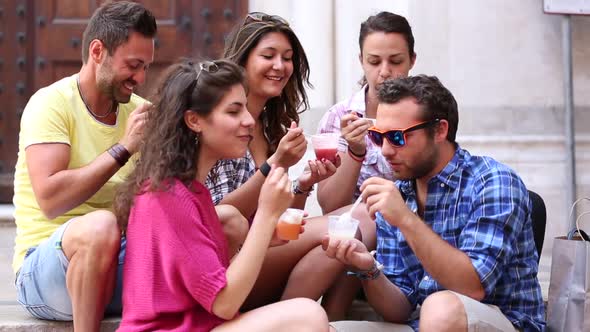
x,y
13,318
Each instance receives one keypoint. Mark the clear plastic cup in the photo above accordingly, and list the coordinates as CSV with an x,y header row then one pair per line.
x,y
342,228
289,225
325,146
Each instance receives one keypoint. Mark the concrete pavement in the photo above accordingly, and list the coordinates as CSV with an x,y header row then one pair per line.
x,y
7,291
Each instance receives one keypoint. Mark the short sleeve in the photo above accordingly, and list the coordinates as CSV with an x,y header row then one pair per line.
x,y
219,180
204,286
45,119
228,175
245,169
189,253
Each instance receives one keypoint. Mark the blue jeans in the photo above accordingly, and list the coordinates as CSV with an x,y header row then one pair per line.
x,y
41,281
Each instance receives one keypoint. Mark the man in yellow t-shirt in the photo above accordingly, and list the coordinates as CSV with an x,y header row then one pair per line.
x,y
75,140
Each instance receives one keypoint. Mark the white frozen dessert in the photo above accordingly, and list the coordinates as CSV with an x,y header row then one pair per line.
x,y
342,227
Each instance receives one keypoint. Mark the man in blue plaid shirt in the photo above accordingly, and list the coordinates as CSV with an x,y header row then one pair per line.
x,y
454,233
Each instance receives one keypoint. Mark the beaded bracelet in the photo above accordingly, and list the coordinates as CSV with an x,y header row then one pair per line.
x,y
119,153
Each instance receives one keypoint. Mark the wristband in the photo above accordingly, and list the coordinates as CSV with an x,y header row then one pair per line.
x,y
119,153
355,156
298,191
264,168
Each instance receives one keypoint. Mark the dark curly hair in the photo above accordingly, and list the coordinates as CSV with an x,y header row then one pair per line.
x,y
437,101
112,22
169,150
280,110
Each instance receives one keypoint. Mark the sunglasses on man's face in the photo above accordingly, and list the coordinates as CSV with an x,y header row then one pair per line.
x,y
262,17
396,137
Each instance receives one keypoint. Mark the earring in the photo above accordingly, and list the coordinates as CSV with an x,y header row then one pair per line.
x,y
196,138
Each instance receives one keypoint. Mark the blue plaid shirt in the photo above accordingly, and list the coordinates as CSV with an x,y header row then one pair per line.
x,y
482,208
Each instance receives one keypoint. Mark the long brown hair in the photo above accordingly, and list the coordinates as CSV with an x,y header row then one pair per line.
x,y
281,110
169,149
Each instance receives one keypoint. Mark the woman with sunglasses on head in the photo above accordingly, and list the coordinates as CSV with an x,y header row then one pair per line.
x,y
386,51
178,274
277,70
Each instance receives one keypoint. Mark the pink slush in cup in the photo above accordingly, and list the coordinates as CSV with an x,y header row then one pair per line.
x,y
325,146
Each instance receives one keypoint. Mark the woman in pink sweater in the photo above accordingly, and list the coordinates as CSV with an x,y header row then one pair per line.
x,y
177,272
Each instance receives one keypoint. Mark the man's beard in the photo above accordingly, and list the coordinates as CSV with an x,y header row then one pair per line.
x,y
422,167
107,85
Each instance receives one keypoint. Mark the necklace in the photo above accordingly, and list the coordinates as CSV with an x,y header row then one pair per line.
x,y
88,108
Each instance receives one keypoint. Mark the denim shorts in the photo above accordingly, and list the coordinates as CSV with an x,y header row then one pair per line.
x,y
41,281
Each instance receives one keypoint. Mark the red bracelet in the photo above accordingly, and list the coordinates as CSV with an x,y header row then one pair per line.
x,y
119,153
355,156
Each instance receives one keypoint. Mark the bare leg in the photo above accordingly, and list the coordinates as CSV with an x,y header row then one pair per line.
x,y
292,315
301,268
367,226
91,244
279,263
443,311
339,297
235,226
315,273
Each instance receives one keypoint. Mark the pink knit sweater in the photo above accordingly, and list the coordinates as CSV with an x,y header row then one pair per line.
x,y
175,263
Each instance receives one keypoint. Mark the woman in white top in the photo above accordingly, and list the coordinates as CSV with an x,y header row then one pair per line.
x,y
386,51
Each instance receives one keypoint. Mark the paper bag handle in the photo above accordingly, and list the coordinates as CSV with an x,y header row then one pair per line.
x,y
581,232
578,229
574,205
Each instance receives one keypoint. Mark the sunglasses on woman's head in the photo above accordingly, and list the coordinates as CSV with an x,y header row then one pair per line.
x,y
207,66
396,137
262,17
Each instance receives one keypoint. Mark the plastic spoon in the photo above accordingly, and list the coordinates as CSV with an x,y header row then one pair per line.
x,y
347,216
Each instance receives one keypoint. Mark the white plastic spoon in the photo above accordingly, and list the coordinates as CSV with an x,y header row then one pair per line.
x,y
347,216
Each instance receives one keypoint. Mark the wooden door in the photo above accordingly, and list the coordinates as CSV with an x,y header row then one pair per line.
x,y
15,49
48,39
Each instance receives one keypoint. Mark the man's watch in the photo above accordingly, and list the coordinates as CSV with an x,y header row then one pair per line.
x,y
371,274
298,191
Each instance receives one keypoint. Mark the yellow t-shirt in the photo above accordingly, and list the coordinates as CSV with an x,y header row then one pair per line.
x,y
57,114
